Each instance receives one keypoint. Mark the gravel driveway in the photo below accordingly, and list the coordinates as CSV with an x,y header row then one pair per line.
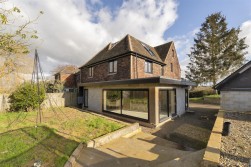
x,y
236,148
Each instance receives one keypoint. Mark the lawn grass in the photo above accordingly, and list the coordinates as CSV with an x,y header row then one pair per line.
x,y
196,100
213,96
202,99
53,140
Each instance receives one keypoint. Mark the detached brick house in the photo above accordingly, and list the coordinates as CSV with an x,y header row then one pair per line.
x,y
134,81
68,76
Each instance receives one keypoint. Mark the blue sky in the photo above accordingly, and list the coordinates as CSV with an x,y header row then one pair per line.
x,y
191,13
73,31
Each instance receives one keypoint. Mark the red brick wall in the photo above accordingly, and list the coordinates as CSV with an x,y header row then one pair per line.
x,y
69,80
130,67
101,73
138,68
172,58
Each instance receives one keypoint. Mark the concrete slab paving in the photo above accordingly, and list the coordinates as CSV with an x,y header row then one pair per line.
x,y
150,150
133,151
190,160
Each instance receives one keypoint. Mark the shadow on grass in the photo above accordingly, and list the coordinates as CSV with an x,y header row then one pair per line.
x,y
22,147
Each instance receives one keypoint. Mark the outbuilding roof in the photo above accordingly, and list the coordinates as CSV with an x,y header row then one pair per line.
x,y
233,76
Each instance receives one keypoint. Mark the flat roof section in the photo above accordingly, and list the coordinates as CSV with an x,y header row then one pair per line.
x,y
150,80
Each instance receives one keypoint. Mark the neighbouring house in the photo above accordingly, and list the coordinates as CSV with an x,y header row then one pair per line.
x,y
69,76
134,81
235,90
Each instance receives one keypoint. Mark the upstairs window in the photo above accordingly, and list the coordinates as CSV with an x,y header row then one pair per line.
x,y
148,49
90,74
162,70
171,67
113,66
148,67
173,52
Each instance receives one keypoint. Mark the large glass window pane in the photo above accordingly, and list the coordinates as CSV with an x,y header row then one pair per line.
x,y
167,104
163,105
135,103
112,101
172,102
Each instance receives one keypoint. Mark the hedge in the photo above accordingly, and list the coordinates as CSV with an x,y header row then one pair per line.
x,y
201,93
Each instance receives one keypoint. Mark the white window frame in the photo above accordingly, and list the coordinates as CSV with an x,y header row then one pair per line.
x,y
148,67
90,72
113,66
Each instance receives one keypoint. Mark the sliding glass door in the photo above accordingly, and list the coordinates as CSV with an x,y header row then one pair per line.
x,y
129,103
167,104
112,101
135,103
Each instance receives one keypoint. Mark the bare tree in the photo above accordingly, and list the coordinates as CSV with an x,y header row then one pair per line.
x,y
15,37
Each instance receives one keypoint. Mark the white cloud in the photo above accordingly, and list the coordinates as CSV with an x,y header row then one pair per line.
x,y
146,20
69,35
246,32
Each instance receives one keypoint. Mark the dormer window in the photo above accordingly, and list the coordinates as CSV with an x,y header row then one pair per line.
x,y
113,66
148,49
90,74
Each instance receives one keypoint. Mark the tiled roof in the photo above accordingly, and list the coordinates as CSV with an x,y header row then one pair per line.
x,y
232,76
137,47
67,69
163,50
129,44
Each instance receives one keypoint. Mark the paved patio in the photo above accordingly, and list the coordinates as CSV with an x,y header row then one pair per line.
x,y
145,149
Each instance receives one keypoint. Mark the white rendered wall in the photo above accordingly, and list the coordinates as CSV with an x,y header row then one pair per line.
x,y
181,100
94,99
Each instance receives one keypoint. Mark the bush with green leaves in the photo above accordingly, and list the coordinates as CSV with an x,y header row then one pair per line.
x,y
54,87
201,93
26,97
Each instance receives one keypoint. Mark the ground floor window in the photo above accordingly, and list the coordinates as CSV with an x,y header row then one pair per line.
x,y
131,103
167,104
85,97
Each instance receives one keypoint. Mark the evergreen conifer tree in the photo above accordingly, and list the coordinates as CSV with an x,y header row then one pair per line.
x,y
217,51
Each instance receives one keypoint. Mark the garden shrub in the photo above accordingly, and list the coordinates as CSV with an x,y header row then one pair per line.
x,y
201,93
26,97
198,93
